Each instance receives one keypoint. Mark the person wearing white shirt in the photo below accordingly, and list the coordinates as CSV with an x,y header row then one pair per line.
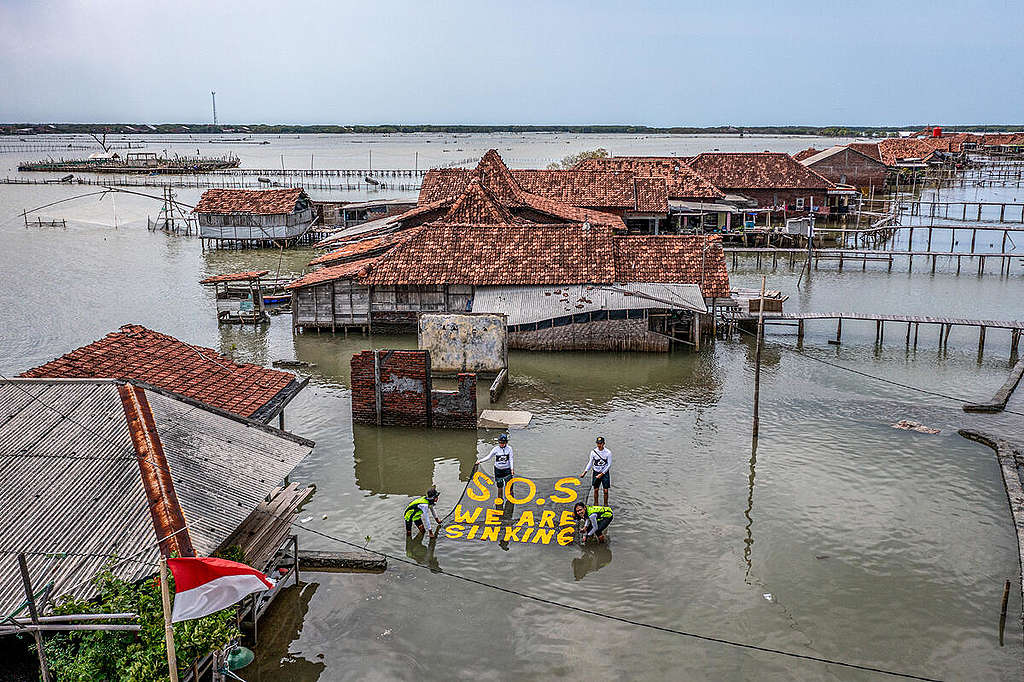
x,y
601,463
502,454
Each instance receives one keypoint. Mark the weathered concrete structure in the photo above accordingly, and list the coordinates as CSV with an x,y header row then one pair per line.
x,y
464,342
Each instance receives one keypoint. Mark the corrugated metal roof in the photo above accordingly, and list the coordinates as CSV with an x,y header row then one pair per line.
x,y
526,304
71,481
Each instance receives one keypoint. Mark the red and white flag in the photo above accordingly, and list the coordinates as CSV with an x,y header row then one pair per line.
x,y
205,585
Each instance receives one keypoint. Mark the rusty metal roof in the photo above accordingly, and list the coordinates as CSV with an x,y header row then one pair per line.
x,y
72,481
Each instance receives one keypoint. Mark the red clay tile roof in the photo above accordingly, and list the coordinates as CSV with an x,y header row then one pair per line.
x,y
499,254
235,277
598,190
682,182
998,139
869,149
358,249
349,270
674,259
477,205
757,170
261,201
894,149
806,153
139,354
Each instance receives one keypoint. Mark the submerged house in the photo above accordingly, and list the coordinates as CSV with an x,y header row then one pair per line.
x,y
254,215
103,474
695,203
639,199
773,180
135,353
845,165
565,277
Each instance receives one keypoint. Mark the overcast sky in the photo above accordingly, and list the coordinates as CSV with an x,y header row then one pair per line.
x,y
813,62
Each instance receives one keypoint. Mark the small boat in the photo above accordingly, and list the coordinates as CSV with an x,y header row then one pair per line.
x,y
274,297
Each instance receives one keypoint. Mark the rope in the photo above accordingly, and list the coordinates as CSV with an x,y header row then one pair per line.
x,y
621,619
469,480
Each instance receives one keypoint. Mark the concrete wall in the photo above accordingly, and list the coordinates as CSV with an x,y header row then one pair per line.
x,y
399,382
462,342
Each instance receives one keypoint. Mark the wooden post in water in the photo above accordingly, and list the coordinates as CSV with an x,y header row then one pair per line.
x,y
757,357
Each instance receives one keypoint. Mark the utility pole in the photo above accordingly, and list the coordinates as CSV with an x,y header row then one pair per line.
x,y
213,94
757,357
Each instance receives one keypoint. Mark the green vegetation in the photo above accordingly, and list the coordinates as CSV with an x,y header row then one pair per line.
x,y
277,129
85,656
573,159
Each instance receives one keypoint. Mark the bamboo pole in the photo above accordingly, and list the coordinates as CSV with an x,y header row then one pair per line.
x,y
172,659
757,357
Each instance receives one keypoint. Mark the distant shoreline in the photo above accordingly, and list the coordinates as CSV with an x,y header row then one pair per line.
x,y
13,129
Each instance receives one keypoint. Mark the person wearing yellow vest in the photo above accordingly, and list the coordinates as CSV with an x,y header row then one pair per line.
x,y
598,519
419,512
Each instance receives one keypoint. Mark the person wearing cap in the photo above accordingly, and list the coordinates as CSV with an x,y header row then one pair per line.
x,y
502,454
419,512
601,463
598,519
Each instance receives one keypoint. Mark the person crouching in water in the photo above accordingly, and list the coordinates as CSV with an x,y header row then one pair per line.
x,y
502,454
601,462
420,510
598,519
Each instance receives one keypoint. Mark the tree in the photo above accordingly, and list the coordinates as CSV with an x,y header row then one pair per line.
x,y
573,159
84,656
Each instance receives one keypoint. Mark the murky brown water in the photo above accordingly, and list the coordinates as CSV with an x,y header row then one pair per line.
x,y
877,546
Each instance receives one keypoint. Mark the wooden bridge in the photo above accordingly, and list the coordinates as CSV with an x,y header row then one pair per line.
x,y
913,322
864,255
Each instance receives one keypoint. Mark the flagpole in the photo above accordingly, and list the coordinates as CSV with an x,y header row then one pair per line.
x,y
165,592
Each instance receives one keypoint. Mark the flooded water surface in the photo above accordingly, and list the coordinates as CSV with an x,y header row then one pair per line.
x,y
838,536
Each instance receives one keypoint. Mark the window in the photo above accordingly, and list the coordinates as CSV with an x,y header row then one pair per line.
x,y
799,202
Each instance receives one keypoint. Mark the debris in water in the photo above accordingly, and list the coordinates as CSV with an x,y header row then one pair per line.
x,y
910,425
819,557
385,635
768,596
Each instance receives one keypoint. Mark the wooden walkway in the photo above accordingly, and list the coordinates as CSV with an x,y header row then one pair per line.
x,y
863,255
913,323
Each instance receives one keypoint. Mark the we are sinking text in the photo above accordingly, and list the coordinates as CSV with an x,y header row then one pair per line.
x,y
543,527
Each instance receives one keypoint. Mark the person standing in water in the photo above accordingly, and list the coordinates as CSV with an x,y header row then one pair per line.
x,y
502,454
419,512
598,519
601,463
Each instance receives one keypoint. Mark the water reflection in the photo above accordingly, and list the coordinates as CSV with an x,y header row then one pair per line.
x,y
423,554
594,558
400,461
275,659
748,541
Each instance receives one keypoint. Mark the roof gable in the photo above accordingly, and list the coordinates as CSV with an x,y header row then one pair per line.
x,y
477,205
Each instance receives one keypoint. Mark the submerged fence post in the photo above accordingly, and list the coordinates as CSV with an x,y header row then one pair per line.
x,y
757,357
